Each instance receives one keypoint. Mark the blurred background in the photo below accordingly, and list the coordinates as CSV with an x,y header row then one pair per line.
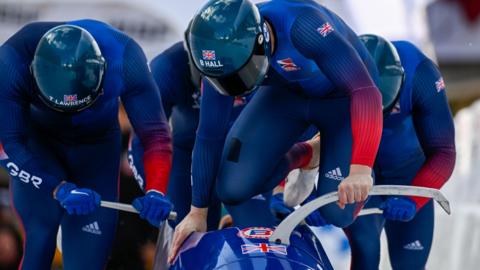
x,y
446,30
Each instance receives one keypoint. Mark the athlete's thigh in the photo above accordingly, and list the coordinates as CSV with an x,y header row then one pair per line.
x,y
409,243
38,212
255,212
332,117
94,166
364,238
263,133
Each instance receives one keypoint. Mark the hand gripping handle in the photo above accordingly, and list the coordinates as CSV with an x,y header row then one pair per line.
x,y
284,229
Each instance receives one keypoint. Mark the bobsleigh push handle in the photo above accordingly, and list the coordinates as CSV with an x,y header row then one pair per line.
x,y
128,208
281,235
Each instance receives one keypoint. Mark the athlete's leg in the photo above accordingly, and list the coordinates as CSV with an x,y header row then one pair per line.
x,y
39,212
364,238
256,211
409,243
253,213
257,143
87,240
332,117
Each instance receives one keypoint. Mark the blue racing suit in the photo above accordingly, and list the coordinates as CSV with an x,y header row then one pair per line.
x,y
418,149
181,100
41,147
320,74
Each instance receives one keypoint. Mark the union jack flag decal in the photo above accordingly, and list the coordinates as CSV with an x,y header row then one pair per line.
x,y
325,29
208,55
69,98
440,85
264,248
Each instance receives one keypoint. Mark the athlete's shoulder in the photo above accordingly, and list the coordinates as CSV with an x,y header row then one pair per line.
x,y
174,55
282,5
92,25
25,40
112,41
408,52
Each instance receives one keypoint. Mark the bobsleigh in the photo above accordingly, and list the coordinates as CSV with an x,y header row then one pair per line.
x,y
250,249
291,245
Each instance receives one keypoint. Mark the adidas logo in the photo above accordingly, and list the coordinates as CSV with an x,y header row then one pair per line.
x,y
335,174
414,246
92,228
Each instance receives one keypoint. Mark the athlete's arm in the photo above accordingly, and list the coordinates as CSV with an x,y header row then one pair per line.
x,y
164,74
343,66
215,112
434,126
14,121
142,103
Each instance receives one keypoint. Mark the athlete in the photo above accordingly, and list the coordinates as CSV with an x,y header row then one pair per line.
x,y
181,95
60,137
417,115
312,69
179,89
418,118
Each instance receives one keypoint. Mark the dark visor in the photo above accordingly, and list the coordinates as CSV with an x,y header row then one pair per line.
x,y
247,78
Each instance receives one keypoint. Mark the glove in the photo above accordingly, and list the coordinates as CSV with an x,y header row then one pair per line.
x,y
77,201
278,207
153,207
399,209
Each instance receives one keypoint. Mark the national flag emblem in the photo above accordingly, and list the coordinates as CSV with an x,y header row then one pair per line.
x,y
69,98
288,65
255,233
264,248
325,29
209,55
440,85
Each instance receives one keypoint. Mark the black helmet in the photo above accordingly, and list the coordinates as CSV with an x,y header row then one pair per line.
x,y
389,67
68,68
230,45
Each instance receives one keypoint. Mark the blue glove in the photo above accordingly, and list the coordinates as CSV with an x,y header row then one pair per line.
x,y
278,207
153,207
77,201
399,209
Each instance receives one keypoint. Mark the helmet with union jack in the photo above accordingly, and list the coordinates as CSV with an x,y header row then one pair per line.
x,y
68,68
230,45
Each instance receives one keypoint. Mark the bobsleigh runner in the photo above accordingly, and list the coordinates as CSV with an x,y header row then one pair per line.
x,y
291,245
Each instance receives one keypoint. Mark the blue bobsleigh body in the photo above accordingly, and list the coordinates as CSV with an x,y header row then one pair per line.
x,y
249,249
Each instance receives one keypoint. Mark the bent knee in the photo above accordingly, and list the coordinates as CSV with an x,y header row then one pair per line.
x,y
337,217
232,194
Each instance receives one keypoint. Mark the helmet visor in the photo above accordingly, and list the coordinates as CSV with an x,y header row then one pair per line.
x,y
247,77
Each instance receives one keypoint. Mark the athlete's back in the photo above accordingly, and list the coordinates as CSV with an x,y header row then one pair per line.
x,y
290,59
18,52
